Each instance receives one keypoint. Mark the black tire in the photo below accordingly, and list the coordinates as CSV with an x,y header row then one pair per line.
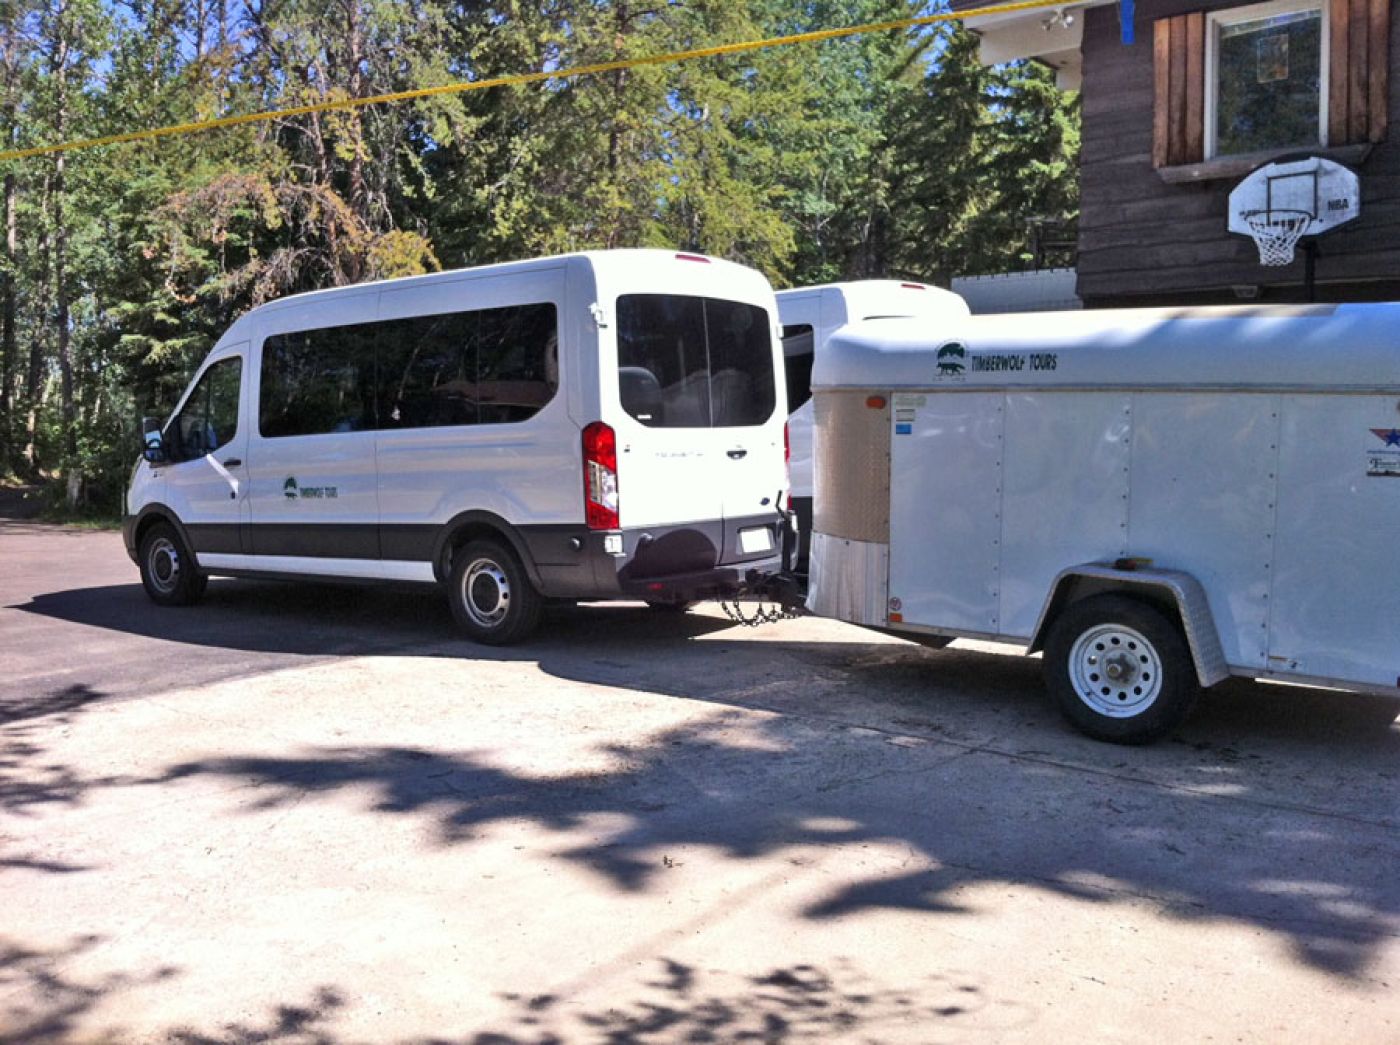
x,y
491,597
1123,702
168,570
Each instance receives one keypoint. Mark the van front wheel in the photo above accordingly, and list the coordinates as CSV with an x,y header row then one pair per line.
x,y
1119,670
492,598
168,571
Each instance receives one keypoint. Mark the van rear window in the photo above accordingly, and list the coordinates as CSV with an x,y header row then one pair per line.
x,y
691,362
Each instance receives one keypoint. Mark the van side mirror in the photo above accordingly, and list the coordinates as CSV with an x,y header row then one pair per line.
x,y
154,448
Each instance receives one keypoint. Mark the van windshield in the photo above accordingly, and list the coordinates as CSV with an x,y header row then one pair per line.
x,y
691,362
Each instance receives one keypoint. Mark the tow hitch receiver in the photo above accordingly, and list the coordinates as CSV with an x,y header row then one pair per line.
x,y
773,597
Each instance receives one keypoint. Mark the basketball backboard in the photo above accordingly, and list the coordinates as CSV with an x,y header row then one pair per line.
x,y
1280,203
1327,191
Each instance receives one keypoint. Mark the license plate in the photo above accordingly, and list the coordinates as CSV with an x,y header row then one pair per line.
x,y
756,539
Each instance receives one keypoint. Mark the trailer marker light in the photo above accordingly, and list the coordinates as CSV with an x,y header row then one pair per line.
x,y
875,402
913,286
693,257
896,618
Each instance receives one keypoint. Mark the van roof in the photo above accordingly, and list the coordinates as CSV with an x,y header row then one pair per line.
x,y
642,259
863,298
1352,346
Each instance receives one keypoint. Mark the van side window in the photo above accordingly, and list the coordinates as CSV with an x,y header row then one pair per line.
x,y
488,366
798,355
318,381
691,362
209,418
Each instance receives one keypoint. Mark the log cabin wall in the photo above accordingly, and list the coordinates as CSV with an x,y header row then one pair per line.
x,y
1153,214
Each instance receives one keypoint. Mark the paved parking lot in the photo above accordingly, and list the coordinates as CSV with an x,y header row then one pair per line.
x,y
314,814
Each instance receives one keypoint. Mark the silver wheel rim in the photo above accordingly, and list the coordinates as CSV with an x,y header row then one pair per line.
x,y
1115,670
163,565
485,593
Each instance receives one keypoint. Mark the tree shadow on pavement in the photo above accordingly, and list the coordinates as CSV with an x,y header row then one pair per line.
x,y
953,756
30,776
744,788
40,1003
796,1003
304,1023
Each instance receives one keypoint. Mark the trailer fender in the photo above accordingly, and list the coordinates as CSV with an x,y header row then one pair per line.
x,y
1171,588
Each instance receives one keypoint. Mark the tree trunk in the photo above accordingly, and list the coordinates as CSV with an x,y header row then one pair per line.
x,y
60,258
8,348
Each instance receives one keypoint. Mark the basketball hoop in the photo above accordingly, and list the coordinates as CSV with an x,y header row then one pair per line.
x,y
1276,233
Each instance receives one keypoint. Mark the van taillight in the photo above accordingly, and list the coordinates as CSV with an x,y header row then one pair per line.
x,y
600,500
787,454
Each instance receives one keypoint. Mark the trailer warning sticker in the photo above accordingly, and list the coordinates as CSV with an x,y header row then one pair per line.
x,y
1384,460
906,411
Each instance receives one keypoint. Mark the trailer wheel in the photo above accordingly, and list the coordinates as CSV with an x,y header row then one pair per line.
x,y
492,598
1119,670
168,572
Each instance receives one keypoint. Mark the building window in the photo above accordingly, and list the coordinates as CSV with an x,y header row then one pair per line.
x,y
1266,78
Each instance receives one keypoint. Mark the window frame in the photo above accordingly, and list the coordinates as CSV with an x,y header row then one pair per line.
x,y
776,377
172,437
375,324
1215,20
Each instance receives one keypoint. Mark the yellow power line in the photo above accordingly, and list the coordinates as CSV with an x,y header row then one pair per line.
x,y
462,87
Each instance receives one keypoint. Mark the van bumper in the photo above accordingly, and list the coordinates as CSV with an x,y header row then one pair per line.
x,y
682,563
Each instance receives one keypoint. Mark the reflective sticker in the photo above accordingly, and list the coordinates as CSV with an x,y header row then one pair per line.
x,y
904,429
1384,460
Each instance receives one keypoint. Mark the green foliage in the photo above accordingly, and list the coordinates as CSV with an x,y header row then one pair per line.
x,y
889,154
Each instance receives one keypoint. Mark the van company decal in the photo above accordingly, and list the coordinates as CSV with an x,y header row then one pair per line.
x,y
293,492
1384,460
1015,361
954,361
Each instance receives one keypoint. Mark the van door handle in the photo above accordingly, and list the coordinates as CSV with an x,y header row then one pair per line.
x,y
735,455
233,462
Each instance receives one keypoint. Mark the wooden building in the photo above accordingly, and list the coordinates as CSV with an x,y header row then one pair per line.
x,y
1207,92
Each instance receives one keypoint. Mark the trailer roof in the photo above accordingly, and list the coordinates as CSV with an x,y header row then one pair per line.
x,y
1354,346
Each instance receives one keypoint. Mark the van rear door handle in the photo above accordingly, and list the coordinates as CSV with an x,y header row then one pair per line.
x,y
233,462
736,455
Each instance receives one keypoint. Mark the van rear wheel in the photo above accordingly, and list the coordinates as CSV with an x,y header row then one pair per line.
x,y
1119,670
168,570
492,599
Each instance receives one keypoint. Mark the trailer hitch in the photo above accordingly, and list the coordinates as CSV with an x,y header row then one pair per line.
x,y
785,592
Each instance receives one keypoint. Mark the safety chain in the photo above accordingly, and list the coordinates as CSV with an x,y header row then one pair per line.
x,y
734,610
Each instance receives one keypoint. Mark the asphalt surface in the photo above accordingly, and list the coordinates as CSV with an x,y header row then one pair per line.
x,y
306,813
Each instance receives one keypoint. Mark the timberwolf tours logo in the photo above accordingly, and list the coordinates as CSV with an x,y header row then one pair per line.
x,y
289,488
950,359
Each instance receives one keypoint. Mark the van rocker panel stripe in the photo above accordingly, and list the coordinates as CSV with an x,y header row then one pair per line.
x,y
322,566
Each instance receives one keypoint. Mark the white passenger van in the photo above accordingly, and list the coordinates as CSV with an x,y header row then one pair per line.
x,y
1158,499
809,316
591,426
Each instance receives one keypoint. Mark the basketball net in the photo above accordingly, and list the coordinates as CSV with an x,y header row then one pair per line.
x,y
1276,233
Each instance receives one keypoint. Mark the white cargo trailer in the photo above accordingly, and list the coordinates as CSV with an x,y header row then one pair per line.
x,y
1158,499
809,315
